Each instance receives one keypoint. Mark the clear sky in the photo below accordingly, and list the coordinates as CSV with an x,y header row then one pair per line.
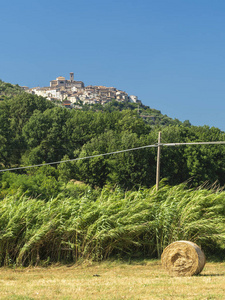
x,y
169,53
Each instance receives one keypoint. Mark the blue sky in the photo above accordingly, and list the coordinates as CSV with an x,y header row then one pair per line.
x,y
170,53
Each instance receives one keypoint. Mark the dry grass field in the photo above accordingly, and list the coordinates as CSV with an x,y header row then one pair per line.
x,y
111,280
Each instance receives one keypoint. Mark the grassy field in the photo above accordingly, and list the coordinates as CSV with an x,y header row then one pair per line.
x,y
111,280
113,224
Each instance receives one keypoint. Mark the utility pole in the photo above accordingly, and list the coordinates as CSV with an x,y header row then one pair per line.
x,y
158,162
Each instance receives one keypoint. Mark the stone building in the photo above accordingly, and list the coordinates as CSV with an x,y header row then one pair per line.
x,y
62,82
74,91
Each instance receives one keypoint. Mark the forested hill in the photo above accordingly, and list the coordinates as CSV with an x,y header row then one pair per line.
x,y
34,130
9,90
150,115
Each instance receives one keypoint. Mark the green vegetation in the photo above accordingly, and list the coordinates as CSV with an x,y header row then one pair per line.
x,y
104,206
151,116
33,130
81,223
8,90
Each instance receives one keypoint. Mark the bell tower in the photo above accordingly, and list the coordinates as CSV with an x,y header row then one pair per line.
x,y
71,76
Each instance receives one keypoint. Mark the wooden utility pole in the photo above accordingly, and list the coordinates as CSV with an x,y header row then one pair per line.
x,y
158,162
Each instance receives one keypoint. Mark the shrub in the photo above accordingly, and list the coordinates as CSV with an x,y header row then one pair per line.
x,y
38,185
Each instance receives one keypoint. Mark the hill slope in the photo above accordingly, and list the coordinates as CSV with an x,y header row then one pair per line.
x,y
151,116
9,90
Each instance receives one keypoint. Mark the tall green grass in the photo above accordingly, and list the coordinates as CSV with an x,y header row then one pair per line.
x,y
110,223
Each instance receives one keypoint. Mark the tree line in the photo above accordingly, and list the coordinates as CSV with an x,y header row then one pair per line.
x,y
34,130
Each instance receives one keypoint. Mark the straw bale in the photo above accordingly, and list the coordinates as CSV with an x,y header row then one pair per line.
x,y
183,258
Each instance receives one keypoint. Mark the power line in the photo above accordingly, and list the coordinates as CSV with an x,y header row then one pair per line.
x,y
116,152
193,143
79,158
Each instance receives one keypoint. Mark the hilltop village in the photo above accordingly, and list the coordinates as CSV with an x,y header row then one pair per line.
x,y
72,93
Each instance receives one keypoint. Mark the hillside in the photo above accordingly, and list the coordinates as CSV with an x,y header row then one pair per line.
x,y
74,94
34,130
151,116
9,90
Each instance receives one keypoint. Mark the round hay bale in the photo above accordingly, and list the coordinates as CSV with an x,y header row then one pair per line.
x,y
183,258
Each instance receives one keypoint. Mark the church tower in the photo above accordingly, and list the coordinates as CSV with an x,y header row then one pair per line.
x,y
71,76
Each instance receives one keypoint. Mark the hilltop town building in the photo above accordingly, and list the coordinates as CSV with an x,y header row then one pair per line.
x,y
75,92
62,82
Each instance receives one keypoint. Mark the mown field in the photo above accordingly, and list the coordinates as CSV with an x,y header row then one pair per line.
x,y
111,280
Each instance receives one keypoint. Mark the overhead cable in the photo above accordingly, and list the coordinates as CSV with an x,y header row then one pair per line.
x,y
79,158
115,152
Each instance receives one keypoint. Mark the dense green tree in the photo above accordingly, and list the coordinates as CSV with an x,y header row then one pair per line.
x,y
45,136
67,170
173,161
199,162
5,135
135,168
39,185
14,114
95,170
127,169
22,107
206,162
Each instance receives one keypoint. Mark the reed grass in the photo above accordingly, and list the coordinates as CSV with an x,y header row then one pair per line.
x,y
113,224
